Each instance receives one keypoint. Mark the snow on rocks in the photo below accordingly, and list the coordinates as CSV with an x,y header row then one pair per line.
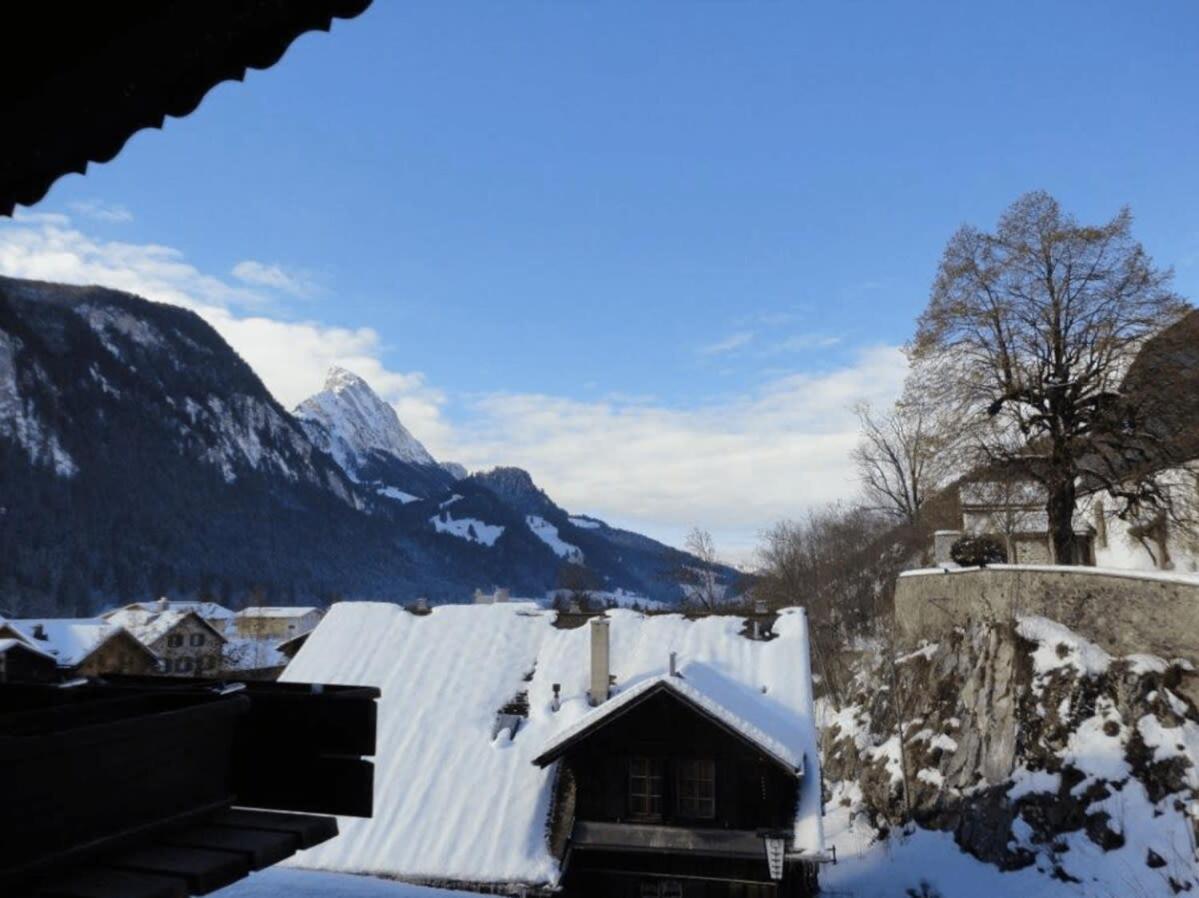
x,y
399,495
352,422
470,529
548,534
19,419
107,320
1032,749
1058,646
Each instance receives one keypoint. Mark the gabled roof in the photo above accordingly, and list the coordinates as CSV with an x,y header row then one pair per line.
x,y
147,627
84,77
458,800
70,641
778,745
20,644
206,610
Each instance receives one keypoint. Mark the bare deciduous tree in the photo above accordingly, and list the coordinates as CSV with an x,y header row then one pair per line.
x,y
702,582
902,456
1033,328
832,565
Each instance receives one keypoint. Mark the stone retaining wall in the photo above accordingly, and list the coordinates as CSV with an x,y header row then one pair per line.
x,y
1123,611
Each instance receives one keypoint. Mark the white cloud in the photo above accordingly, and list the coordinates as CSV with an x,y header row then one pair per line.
x,y
732,466
802,342
291,357
98,210
260,274
728,344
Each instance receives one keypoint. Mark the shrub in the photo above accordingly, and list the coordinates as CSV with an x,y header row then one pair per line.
x,y
973,551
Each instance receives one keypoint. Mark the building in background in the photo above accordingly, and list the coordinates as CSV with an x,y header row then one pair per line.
x,y
21,662
85,647
1013,512
274,622
186,644
215,615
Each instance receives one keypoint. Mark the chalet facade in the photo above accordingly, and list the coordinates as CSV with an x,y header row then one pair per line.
x,y
24,663
1013,512
668,790
214,614
278,623
186,644
84,647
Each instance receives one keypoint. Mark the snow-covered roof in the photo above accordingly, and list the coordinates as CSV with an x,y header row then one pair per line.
x,y
775,734
206,610
148,627
276,611
68,640
454,803
247,653
10,643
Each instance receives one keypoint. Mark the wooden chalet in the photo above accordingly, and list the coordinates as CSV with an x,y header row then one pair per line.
x,y
21,662
185,643
634,755
670,791
276,622
84,647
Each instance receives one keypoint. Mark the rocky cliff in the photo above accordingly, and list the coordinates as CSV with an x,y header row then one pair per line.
x,y
1034,747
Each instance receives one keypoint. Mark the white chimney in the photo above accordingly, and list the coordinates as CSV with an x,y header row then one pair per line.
x,y
501,595
600,666
163,604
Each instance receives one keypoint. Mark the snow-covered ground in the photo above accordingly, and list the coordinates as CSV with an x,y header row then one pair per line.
x,y
548,534
889,869
865,869
470,529
284,883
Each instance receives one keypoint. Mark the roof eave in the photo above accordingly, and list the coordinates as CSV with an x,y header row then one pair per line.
x,y
551,755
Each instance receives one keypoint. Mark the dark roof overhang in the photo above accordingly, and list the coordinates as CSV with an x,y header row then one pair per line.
x,y
81,78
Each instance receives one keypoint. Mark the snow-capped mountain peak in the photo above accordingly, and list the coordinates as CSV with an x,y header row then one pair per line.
x,y
352,422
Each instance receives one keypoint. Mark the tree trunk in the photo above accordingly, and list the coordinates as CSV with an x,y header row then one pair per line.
x,y
1061,521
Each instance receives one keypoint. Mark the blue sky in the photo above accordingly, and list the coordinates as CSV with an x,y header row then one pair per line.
x,y
569,225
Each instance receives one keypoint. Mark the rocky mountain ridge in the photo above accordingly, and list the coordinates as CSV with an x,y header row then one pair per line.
x,y
139,455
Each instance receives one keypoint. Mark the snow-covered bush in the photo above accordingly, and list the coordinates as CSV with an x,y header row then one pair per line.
x,y
973,550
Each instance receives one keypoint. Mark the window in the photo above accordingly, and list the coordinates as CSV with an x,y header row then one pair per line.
x,y
197,639
645,787
175,640
183,666
696,788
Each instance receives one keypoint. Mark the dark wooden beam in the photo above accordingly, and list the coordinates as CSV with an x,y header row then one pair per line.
x,y
310,830
204,871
